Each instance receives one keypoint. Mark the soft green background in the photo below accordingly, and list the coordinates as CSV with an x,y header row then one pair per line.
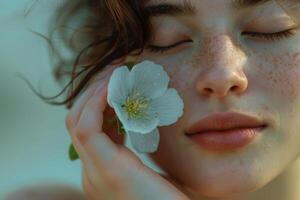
x,y
33,138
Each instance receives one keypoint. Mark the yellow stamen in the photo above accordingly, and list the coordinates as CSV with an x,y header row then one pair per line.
x,y
135,105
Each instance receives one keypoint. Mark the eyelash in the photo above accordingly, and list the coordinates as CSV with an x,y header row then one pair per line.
x,y
273,36
268,36
157,49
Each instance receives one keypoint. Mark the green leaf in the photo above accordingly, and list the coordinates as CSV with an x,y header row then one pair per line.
x,y
72,153
121,129
130,65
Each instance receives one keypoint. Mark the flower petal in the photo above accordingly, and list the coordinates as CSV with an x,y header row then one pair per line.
x,y
169,107
121,114
118,86
149,79
145,143
142,125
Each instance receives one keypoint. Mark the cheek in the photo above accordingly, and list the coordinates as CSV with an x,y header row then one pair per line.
x,y
280,75
287,75
180,72
278,80
276,77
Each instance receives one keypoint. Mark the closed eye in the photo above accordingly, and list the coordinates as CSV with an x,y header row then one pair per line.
x,y
272,36
267,36
160,49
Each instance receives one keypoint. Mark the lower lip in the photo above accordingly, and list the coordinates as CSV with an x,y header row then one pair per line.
x,y
225,140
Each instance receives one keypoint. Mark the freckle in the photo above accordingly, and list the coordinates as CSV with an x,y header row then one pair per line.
x,y
213,49
269,75
296,56
266,108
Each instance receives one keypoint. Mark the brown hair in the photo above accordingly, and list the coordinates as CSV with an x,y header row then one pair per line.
x,y
110,31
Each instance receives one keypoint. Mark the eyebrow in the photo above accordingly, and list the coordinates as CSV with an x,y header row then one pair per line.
x,y
186,7
238,4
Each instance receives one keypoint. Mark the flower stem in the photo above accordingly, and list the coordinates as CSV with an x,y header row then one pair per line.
x,y
130,65
121,129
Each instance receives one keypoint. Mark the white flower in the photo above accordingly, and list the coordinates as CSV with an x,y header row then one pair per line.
x,y
142,101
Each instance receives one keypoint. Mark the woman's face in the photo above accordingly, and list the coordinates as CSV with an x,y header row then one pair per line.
x,y
221,67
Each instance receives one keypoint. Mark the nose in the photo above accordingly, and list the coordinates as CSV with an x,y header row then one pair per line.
x,y
223,73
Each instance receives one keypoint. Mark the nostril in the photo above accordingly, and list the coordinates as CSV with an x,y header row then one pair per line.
x,y
234,88
208,90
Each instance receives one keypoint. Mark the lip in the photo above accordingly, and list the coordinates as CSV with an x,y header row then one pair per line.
x,y
225,131
221,121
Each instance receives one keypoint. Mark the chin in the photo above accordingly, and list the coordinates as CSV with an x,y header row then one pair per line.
x,y
230,186
225,190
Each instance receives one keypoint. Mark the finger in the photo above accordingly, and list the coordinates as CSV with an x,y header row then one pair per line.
x,y
74,113
87,184
96,83
91,117
94,184
72,118
109,124
71,121
90,124
90,134
88,189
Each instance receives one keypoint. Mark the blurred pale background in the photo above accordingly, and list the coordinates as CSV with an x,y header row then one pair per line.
x,y
33,138
33,144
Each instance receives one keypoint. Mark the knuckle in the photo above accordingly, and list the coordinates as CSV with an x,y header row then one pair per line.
x,y
82,135
69,122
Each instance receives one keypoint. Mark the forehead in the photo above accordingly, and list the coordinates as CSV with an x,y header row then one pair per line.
x,y
231,3
190,7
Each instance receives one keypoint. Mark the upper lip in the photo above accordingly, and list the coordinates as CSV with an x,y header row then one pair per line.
x,y
225,121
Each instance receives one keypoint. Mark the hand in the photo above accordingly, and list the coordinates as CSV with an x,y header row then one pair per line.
x,y
110,171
